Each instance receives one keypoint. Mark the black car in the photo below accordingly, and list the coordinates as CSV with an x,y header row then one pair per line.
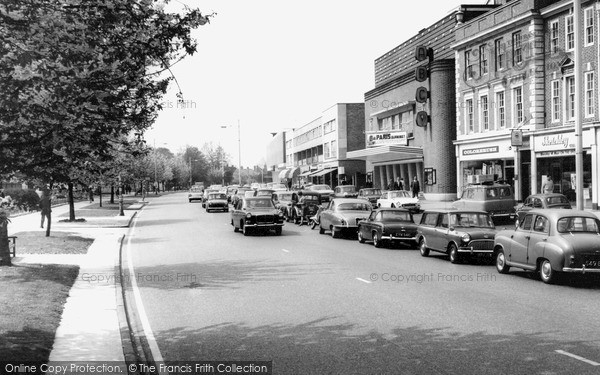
x,y
284,202
370,194
345,191
216,202
256,213
388,225
307,206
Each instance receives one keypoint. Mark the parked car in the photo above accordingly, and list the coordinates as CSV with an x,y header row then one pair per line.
x,y
264,193
284,201
278,187
496,198
306,207
324,190
256,213
239,193
551,242
195,194
370,194
216,202
541,201
399,199
345,191
343,214
205,195
249,193
388,225
457,233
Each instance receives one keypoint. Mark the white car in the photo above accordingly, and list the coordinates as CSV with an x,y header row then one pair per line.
x,y
195,194
399,199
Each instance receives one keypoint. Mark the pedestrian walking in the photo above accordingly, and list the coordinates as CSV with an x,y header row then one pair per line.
x,y
415,187
398,185
548,186
45,207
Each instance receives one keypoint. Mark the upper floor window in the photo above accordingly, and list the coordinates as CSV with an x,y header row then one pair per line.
x,y
500,110
333,149
554,37
517,48
518,100
570,83
570,33
499,54
483,62
469,64
485,120
469,115
555,101
589,26
589,94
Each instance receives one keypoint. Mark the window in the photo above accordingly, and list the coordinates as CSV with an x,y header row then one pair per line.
x,y
326,151
570,30
555,101
570,98
469,116
499,53
396,122
501,110
526,223
517,48
485,120
554,37
469,64
483,62
589,94
541,224
589,26
518,100
334,149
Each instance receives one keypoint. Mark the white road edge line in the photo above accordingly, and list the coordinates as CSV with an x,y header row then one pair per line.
x,y
363,280
285,251
588,361
157,356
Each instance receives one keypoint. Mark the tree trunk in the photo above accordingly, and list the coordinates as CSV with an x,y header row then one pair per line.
x,y
71,203
112,194
49,223
100,194
4,249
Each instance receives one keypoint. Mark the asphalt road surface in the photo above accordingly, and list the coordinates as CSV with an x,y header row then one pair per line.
x,y
314,305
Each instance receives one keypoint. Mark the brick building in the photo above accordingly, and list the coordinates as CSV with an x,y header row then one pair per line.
x,y
394,145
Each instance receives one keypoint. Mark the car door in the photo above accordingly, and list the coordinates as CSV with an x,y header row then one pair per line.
x,y
427,228
326,215
366,226
538,239
235,214
440,237
520,240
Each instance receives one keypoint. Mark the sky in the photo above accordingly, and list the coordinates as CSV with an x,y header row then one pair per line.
x,y
270,66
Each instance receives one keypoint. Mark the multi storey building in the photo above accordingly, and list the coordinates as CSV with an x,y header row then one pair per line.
x,y
394,145
515,95
275,156
316,152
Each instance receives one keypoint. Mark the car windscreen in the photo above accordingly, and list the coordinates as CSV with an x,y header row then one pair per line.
x,y
217,196
465,220
578,224
354,207
260,203
284,197
558,200
370,192
348,189
395,216
399,194
320,187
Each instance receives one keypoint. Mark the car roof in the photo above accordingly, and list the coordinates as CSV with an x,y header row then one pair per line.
x,y
557,213
454,210
392,209
349,200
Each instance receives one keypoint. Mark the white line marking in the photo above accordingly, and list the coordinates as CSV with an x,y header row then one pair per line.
x,y
589,362
363,280
285,251
138,301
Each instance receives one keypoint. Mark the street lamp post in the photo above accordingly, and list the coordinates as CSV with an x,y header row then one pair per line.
x,y
239,151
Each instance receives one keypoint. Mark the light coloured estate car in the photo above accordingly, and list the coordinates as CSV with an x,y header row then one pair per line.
x,y
399,199
551,242
343,214
195,194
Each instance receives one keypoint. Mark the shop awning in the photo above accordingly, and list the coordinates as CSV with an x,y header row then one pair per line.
x,y
321,172
386,153
304,174
293,172
282,173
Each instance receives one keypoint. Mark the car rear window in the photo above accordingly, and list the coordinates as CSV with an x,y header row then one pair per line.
x,y
578,224
396,216
354,207
471,220
559,199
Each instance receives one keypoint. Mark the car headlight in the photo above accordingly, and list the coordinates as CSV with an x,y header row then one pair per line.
x,y
280,214
248,215
466,237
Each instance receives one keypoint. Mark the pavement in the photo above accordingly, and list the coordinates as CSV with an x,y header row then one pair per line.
x,y
93,318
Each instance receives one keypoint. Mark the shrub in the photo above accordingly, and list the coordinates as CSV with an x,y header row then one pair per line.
x,y
27,200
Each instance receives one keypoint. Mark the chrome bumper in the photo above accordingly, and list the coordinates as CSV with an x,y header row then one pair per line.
x,y
394,238
581,270
265,225
470,250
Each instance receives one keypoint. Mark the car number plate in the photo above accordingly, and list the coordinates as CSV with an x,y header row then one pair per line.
x,y
592,263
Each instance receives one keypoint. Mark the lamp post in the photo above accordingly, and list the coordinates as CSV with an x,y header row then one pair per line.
x,y
239,150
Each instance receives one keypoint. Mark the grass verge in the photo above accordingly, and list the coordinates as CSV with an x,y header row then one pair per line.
x,y
32,299
58,243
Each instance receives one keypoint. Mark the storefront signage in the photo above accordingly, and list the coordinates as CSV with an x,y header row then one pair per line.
x,y
553,142
547,154
387,138
480,150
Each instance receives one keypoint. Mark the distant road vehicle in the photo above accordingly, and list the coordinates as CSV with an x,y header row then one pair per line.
x,y
325,191
284,202
205,195
307,207
217,202
343,215
541,201
195,194
345,191
458,233
551,242
399,199
255,213
277,187
388,225
262,192
370,194
496,198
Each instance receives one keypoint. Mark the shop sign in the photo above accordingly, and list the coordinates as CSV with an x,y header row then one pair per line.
x,y
554,142
480,150
553,153
387,138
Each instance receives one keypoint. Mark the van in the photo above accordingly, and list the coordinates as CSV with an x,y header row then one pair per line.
x,y
495,198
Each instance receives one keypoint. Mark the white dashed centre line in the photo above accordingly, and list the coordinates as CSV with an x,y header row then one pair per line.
x,y
588,361
363,280
285,251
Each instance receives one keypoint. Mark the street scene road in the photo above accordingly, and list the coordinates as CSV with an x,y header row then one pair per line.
x,y
314,304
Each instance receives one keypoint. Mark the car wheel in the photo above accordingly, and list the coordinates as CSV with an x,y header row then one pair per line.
x,y
423,248
501,265
547,274
190,200
278,231
321,230
334,233
361,239
377,242
453,253
393,206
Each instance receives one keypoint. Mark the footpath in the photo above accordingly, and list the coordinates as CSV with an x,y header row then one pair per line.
x,y
92,321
